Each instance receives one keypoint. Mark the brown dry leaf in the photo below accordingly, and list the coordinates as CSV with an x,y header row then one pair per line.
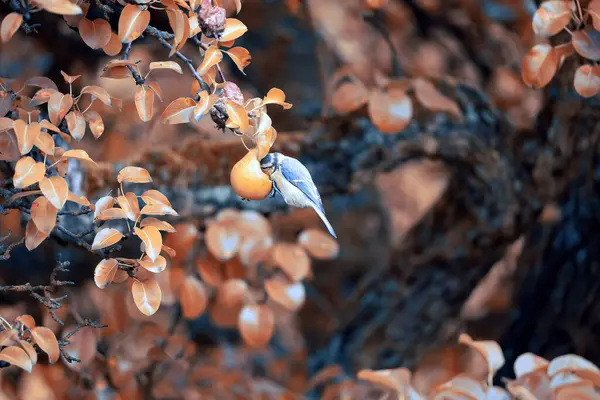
x,y
460,387
539,66
45,338
95,122
179,111
16,356
62,7
587,43
210,272
594,11
158,224
292,259
41,97
587,80
106,237
45,143
30,350
81,200
73,20
45,124
212,57
153,196
76,124
394,379
233,293
103,203
238,116
204,104
28,172
56,190
133,21
489,349
9,147
114,46
144,102
97,93
222,240
158,209
117,73
319,244
181,28
146,296
572,363
432,99
193,297
152,240
68,78
348,97
10,25
96,34
42,82
255,250
240,56
129,203
111,213
528,363
276,96
172,65
44,214
256,324
33,236
107,271
134,175
58,106
157,266
26,134
157,90
552,17
80,155
290,295
390,111
234,28
264,140
6,124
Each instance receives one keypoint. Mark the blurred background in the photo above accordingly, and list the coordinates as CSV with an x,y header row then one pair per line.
x,y
471,210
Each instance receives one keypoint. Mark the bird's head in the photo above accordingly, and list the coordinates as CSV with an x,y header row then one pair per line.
x,y
269,163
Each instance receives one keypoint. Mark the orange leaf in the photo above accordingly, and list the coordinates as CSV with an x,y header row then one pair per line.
x,y
179,111
26,134
111,213
238,116
16,356
319,244
204,104
222,240
552,17
539,65
233,293
348,97
43,214
10,25
489,349
158,224
103,203
240,56
56,190
81,200
180,26
45,143
97,93
58,106
234,28
158,209
594,10
41,97
80,155
28,172
42,82
62,7
95,122
73,20
134,175
292,259
76,124
45,338
289,295
172,65
212,57
30,350
587,80
264,136
155,266
132,22
390,111
430,98
256,324
68,78
96,34
144,102
155,197
48,126
33,236
276,96
146,296
107,271
129,203
587,43
152,240
394,379
193,297
157,90
114,46
106,237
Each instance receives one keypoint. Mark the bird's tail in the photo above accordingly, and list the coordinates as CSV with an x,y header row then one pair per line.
x,y
321,214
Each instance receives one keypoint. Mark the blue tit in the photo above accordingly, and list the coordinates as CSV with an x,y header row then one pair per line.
x,y
293,181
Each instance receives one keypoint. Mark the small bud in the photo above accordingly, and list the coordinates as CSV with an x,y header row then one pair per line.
x,y
211,20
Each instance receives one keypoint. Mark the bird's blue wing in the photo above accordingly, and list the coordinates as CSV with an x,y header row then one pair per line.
x,y
298,175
